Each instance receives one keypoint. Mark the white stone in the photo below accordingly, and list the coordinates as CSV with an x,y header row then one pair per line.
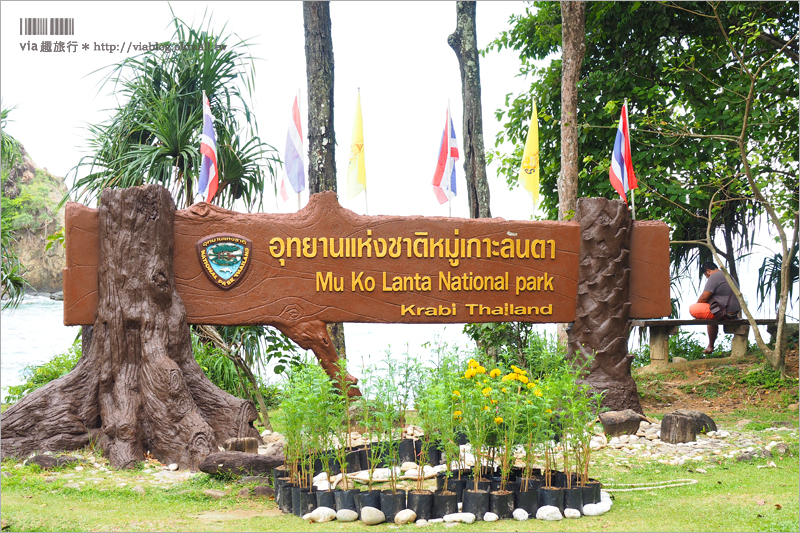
x,y
323,514
490,517
572,513
466,518
307,516
460,506
406,516
644,424
421,522
412,473
436,520
78,468
593,509
173,466
605,497
266,432
520,514
771,445
372,516
700,470
408,465
346,515
322,485
548,512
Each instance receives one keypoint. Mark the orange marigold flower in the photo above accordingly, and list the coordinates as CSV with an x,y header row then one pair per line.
x,y
494,402
485,407
498,420
456,393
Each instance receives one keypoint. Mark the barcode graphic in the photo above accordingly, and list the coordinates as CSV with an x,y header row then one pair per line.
x,y
40,26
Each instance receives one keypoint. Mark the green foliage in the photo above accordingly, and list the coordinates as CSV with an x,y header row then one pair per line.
x,y
768,378
686,96
36,376
769,277
223,373
154,135
11,279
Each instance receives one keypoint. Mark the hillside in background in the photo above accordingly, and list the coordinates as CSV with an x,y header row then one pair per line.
x,y
30,196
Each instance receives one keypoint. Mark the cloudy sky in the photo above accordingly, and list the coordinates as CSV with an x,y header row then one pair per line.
x,y
396,52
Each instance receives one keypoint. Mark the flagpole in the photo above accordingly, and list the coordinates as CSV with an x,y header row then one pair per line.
x,y
301,141
633,202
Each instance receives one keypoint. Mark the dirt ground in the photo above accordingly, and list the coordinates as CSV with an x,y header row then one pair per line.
x,y
715,386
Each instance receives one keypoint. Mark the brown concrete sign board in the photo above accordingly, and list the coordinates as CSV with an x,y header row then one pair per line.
x,y
326,263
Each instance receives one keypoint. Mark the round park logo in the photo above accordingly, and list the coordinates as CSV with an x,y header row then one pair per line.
x,y
224,258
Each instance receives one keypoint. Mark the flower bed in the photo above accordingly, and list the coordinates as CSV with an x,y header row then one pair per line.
x,y
528,431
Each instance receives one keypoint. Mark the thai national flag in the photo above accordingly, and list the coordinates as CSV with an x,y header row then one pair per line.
x,y
294,168
444,179
209,172
621,172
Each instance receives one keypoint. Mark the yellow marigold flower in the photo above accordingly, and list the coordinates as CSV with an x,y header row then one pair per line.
x,y
548,411
481,369
485,407
469,373
504,389
473,363
531,385
538,393
487,391
494,373
457,415
498,420
486,381
494,402
456,393
509,377
520,371
523,379
530,402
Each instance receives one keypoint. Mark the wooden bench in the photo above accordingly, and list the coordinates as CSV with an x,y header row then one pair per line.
x,y
662,329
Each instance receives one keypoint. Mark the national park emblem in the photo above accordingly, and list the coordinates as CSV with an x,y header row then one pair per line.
x,y
224,257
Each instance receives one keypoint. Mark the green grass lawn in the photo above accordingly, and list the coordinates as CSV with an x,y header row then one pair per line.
x,y
730,496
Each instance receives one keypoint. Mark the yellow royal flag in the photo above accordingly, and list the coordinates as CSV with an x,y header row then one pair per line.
x,y
529,170
356,171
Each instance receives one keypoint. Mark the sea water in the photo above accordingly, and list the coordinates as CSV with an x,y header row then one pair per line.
x,y
32,334
35,332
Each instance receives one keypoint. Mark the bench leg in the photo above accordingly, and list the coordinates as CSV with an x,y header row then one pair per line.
x,y
739,344
659,345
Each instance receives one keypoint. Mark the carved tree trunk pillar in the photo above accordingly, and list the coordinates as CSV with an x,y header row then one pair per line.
x,y
602,308
137,388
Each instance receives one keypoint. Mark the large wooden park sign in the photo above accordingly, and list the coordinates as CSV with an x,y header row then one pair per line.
x,y
140,272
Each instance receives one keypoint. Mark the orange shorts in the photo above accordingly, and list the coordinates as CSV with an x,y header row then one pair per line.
x,y
701,311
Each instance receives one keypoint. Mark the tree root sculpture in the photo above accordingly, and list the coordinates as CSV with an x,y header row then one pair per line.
x,y
137,388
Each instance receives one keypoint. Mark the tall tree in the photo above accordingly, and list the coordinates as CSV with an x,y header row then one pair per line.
x,y
154,137
321,137
642,51
573,34
464,43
